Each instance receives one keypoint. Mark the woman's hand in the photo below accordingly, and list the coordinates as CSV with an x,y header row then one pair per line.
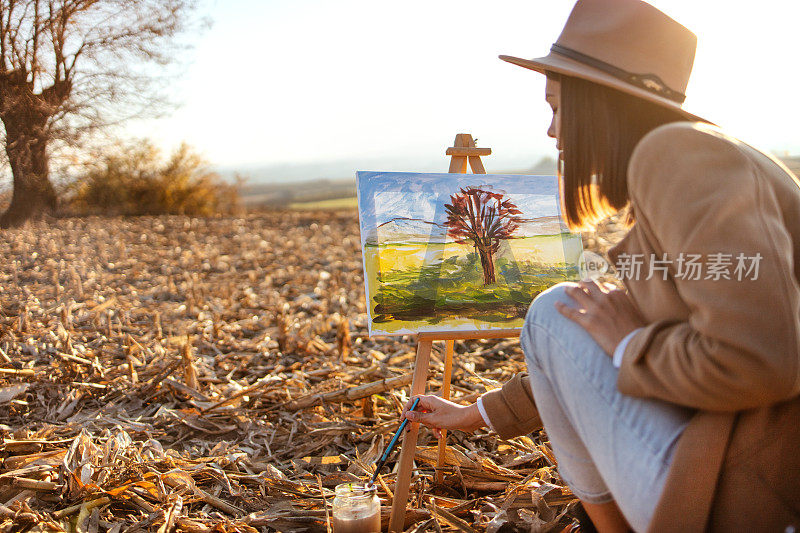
x,y
437,413
606,313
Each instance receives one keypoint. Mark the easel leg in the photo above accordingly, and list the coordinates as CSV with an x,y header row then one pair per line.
x,y
448,375
418,383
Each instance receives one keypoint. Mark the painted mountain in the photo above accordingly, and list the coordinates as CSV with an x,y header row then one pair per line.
x,y
402,230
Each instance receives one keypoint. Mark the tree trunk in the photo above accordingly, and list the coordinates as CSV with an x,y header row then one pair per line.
x,y
26,116
34,195
487,263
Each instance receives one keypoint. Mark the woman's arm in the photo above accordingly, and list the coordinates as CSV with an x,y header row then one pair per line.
x,y
511,411
695,191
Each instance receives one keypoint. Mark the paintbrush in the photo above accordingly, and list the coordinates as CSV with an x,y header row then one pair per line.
x,y
392,444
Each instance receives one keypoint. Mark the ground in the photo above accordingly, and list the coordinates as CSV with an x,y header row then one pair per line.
x,y
163,373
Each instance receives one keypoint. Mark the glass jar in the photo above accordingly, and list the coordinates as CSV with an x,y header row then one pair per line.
x,y
356,509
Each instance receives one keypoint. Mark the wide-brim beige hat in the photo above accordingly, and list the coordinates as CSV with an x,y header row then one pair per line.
x,y
628,45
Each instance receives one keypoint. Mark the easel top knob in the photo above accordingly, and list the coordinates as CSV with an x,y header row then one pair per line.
x,y
464,145
464,150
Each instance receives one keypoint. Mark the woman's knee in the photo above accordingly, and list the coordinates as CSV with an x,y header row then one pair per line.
x,y
543,310
542,314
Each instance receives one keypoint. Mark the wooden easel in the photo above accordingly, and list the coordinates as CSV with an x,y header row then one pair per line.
x,y
462,152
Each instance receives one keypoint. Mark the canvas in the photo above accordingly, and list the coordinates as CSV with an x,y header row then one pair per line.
x,y
460,252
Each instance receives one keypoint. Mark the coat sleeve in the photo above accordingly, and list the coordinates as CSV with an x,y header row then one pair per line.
x,y
511,409
695,191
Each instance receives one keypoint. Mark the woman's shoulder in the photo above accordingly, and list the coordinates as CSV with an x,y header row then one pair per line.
x,y
686,152
690,146
676,138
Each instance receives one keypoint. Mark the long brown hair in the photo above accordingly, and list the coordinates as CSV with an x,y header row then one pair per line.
x,y
600,127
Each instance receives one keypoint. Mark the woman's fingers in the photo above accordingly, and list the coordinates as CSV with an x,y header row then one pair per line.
x,y
609,287
424,414
408,405
592,287
421,417
587,304
429,419
426,404
606,313
581,297
573,313
590,297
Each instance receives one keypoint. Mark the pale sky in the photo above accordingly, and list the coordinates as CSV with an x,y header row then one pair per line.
x,y
387,85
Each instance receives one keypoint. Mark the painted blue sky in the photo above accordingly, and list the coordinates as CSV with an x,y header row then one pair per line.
x,y
384,196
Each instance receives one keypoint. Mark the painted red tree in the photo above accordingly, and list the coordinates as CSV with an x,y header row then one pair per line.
x,y
483,219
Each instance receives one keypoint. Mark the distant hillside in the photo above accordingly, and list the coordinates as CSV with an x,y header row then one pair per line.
x,y
284,194
256,193
793,162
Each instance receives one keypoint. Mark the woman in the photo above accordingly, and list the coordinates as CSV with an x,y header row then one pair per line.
x,y
672,405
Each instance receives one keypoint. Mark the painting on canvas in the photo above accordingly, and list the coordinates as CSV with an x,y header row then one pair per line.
x,y
460,252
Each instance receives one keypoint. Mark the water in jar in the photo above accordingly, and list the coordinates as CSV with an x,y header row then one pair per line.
x,y
356,509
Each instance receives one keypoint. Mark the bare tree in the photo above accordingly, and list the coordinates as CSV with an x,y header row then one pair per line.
x,y
68,67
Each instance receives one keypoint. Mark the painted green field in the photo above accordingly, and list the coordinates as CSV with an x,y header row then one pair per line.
x,y
433,286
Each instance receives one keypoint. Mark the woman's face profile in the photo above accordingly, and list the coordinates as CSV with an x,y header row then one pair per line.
x,y
552,94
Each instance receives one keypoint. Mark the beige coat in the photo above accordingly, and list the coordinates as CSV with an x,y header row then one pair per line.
x,y
729,348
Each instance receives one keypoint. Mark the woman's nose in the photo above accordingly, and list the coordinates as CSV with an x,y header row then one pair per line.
x,y
551,131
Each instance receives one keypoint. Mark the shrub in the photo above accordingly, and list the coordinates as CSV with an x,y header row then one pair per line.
x,y
135,179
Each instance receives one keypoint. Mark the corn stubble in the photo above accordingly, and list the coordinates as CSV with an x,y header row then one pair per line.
x,y
178,374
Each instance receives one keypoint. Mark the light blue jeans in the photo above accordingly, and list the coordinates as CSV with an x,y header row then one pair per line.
x,y
609,446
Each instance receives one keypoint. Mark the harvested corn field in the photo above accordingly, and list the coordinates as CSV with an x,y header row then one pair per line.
x,y
177,374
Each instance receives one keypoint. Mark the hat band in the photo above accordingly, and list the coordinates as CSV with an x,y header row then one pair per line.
x,y
648,82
